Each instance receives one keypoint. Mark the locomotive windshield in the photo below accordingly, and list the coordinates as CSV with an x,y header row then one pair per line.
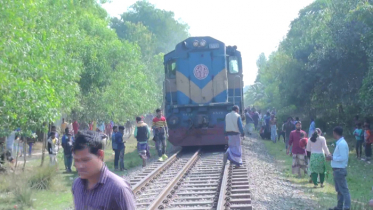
x,y
233,65
171,69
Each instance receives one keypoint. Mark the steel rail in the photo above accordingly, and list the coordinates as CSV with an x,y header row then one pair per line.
x,y
141,185
161,200
223,188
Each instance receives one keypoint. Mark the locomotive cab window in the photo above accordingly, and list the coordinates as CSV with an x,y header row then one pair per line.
x,y
171,69
233,65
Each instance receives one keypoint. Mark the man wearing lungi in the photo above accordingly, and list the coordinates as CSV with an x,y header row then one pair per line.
x,y
298,152
142,134
233,131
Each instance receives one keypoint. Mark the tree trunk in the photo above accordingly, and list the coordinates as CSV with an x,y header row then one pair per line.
x,y
43,148
24,152
15,167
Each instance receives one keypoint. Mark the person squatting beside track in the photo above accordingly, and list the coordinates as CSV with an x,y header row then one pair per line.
x,y
160,131
232,129
142,135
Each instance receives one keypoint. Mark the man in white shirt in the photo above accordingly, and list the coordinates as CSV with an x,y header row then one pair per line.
x,y
339,162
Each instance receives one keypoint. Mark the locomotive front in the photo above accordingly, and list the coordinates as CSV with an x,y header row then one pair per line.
x,y
203,80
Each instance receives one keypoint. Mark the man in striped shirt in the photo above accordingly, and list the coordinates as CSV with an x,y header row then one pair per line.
x,y
160,130
97,187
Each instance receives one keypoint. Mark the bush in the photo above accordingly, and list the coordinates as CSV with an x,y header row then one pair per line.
x,y
23,195
42,179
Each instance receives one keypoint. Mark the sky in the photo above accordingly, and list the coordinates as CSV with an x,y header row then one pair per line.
x,y
253,26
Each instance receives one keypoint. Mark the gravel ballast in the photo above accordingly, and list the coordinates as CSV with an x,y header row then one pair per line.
x,y
269,188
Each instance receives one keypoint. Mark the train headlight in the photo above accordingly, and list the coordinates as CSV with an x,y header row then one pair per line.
x,y
203,43
195,43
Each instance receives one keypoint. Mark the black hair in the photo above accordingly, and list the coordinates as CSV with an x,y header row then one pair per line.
x,y
314,136
53,127
66,129
358,125
357,116
297,118
235,108
88,139
121,127
115,127
157,110
312,119
338,130
138,119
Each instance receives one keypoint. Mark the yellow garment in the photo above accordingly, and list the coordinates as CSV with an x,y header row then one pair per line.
x,y
94,126
54,140
63,127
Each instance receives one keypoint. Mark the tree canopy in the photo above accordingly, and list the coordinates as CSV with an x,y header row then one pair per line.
x,y
324,65
61,57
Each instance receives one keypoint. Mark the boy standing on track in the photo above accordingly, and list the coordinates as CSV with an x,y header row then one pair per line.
x,y
233,129
160,130
142,134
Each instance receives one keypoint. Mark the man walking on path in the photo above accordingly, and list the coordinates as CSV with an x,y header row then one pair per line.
x,y
97,187
233,129
67,145
160,131
120,147
299,163
115,147
142,135
339,162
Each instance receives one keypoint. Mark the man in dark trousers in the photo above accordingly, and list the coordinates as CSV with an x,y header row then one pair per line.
x,y
120,147
142,134
115,147
160,133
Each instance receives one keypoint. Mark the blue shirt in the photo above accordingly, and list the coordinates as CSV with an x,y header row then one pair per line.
x,y
119,141
358,133
340,154
113,143
64,139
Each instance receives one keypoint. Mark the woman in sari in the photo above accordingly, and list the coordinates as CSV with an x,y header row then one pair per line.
x,y
318,149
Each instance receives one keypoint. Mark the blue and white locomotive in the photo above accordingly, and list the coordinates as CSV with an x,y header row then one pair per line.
x,y
203,80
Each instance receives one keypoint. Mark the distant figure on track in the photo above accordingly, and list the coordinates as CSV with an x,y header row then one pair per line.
x,y
160,132
97,187
233,129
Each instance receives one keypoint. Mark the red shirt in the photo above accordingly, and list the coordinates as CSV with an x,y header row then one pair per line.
x,y
75,127
294,140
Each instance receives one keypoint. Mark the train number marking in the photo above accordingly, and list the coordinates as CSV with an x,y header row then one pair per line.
x,y
201,71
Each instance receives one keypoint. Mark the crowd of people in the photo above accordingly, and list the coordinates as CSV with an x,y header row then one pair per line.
x,y
310,152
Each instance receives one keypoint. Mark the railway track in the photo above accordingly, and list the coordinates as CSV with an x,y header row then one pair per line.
x,y
195,180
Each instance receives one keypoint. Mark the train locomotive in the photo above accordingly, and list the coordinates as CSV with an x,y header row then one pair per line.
x,y
203,80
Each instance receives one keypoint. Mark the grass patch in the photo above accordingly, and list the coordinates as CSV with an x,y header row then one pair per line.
x,y
359,177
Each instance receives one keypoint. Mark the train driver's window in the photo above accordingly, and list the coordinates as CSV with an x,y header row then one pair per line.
x,y
233,65
171,69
